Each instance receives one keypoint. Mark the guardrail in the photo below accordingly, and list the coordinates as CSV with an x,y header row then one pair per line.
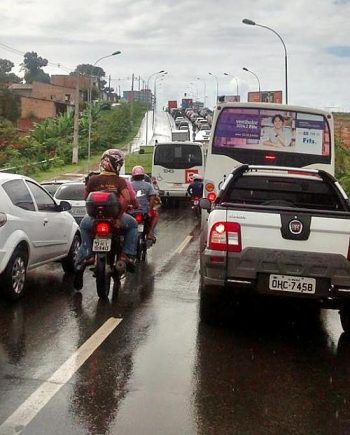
x,y
13,169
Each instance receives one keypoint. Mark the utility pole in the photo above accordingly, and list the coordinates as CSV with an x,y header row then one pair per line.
x,y
76,122
109,88
132,99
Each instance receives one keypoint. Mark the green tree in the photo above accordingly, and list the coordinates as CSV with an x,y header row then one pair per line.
x,y
6,76
92,71
9,105
32,67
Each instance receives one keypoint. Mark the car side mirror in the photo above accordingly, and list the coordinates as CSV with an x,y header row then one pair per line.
x,y
65,206
205,204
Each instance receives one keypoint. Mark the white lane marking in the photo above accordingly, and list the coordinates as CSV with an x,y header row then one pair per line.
x,y
25,413
183,244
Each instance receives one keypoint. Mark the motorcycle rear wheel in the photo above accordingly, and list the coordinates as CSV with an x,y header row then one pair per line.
x,y
103,276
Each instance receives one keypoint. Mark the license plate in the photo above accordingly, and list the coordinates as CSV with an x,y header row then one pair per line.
x,y
294,284
78,211
140,228
102,245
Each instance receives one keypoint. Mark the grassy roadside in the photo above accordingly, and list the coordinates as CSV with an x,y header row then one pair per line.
x,y
84,166
131,160
143,159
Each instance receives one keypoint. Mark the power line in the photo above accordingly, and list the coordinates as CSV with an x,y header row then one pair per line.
x,y
22,53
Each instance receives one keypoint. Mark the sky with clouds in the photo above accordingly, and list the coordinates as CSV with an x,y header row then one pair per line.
x,y
189,39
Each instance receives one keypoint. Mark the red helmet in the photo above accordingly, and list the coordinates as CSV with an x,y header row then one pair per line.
x,y
137,170
112,160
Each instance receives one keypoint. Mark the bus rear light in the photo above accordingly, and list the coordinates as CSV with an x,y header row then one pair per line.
x,y
211,196
209,187
225,236
270,157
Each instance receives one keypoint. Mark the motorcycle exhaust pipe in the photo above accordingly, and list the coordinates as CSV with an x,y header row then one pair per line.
x,y
120,266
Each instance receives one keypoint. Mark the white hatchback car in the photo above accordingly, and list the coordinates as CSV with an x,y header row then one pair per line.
x,y
34,230
74,193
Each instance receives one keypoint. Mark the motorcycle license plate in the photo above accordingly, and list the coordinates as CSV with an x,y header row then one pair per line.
x,y
195,202
140,228
294,284
102,245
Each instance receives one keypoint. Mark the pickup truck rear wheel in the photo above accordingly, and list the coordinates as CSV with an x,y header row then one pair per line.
x,y
345,318
208,303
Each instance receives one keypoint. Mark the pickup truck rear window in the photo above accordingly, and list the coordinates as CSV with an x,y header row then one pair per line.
x,y
293,192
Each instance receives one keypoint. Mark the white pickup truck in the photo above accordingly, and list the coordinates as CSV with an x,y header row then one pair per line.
x,y
280,232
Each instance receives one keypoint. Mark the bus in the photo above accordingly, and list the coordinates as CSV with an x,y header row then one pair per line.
x,y
173,166
267,134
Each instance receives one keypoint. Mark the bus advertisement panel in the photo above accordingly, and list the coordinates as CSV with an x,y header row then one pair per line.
x,y
268,134
306,135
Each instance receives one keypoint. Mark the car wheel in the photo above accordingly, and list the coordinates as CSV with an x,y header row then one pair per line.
x,y
68,263
14,276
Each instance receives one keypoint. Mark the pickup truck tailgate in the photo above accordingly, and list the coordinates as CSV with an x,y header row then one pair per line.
x,y
279,231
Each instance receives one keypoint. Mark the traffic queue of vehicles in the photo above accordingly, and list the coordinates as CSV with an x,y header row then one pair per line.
x,y
274,219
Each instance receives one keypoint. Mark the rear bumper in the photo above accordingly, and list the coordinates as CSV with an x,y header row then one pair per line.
x,y
248,272
172,194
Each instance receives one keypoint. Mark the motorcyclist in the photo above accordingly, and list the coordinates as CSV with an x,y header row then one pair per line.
x,y
196,187
146,197
108,180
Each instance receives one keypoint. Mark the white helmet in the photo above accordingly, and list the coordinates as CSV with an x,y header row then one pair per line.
x,y
197,177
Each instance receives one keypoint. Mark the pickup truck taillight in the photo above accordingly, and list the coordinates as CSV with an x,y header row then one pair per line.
x,y
225,236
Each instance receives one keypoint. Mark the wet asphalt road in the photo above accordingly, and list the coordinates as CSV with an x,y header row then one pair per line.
x,y
267,369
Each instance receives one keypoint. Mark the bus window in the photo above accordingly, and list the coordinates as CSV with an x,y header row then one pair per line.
x,y
268,134
174,164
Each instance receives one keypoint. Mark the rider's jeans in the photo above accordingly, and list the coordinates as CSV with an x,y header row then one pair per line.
x,y
128,224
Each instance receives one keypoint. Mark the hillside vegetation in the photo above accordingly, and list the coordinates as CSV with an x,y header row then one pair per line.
x,y
50,142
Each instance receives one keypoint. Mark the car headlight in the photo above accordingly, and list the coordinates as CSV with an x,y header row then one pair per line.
x,y
3,219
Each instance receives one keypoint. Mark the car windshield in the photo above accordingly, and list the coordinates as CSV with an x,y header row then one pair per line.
x,y
51,188
74,192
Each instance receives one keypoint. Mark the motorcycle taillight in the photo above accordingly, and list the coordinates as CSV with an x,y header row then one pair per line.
x,y
102,229
139,218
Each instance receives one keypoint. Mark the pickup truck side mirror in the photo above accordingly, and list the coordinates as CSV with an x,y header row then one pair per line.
x,y
205,204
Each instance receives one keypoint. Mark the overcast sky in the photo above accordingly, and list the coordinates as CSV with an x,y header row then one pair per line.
x,y
189,39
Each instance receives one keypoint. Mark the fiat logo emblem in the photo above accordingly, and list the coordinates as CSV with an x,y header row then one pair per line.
x,y
295,226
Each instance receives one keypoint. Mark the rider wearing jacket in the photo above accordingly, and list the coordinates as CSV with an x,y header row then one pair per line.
x,y
107,180
196,187
146,197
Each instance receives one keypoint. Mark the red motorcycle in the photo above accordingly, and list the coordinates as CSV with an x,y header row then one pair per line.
x,y
143,221
195,205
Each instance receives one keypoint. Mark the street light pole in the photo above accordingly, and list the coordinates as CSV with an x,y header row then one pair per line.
x,y
155,95
204,90
230,75
217,86
147,88
253,23
251,72
90,105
